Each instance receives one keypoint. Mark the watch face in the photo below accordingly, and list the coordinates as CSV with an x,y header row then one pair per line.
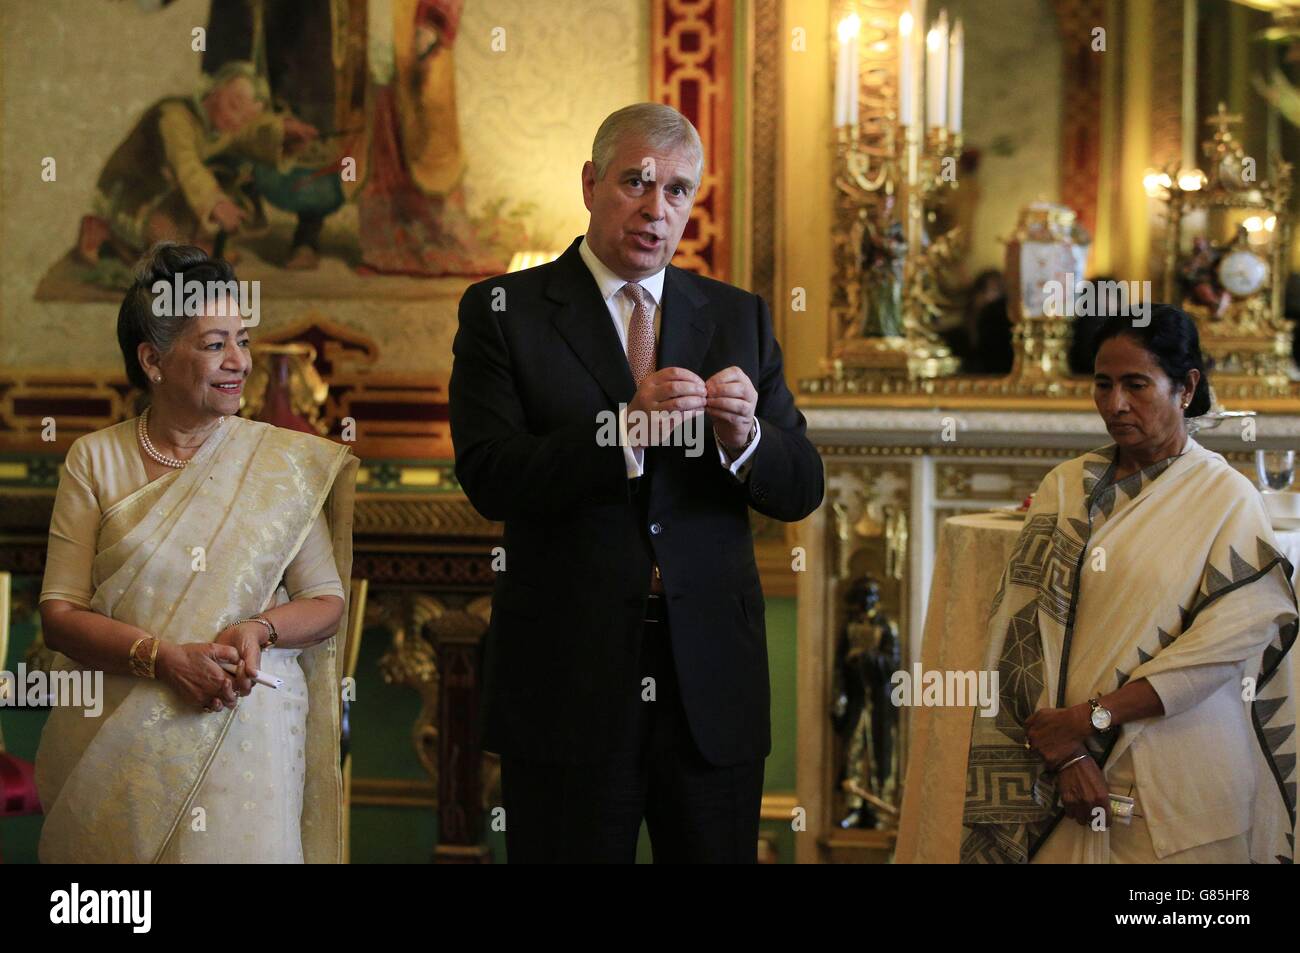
x,y
1040,263
1242,273
1101,718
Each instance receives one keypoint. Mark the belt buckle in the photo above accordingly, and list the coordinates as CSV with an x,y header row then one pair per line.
x,y
655,609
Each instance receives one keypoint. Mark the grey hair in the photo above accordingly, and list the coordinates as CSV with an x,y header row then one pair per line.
x,y
662,127
138,322
232,70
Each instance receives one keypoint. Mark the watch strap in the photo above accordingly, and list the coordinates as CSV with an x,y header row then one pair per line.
x,y
272,636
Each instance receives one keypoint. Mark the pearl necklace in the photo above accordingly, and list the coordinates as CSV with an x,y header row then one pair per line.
x,y
142,430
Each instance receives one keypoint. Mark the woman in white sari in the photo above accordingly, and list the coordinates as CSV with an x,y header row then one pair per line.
x,y
183,541
1140,634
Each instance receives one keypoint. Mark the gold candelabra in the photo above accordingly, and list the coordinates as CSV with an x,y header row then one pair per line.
x,y
886,292
879,247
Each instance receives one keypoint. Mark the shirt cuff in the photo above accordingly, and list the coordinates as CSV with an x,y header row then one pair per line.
x,y
633,458
739,468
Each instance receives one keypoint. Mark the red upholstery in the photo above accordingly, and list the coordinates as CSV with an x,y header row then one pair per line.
x,y
17,787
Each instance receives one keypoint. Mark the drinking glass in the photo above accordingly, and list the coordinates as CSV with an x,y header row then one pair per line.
x,y
1276,469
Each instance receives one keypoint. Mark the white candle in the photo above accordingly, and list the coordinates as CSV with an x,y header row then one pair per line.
x,y
853,72
955,45
918,61
841,87
936,73
846,72
917,8
1189,84
906,104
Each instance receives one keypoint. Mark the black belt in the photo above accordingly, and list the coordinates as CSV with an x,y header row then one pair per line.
x,y
656,608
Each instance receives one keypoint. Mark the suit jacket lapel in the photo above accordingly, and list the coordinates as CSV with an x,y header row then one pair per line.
x,y
686,330
583,320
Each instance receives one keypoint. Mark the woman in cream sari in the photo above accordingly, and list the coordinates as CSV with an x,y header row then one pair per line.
x,y
1140,634
190,551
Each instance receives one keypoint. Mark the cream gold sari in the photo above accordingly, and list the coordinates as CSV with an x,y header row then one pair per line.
x,y
153,779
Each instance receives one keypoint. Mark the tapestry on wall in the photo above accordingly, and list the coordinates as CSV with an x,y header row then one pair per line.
x,y
301,108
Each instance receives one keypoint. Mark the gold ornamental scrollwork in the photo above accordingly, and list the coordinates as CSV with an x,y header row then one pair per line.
x,y
290,367
869,505
691,70
410,661
1224,215
889,240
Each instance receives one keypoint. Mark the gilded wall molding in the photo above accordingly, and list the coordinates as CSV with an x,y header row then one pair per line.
x,y
765,147
405,516
1081,141
394,415
691,70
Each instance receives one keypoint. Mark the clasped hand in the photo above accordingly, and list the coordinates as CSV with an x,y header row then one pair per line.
x,y
1056,734
194,670
728,397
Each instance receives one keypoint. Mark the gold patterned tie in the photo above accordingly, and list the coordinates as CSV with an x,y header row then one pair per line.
x,y
641,332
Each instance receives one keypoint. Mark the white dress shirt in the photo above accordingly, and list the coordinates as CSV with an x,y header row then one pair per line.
x,y
620,311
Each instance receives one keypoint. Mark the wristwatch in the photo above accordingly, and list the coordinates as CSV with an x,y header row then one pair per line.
x,y
272,635
1100,717
753,432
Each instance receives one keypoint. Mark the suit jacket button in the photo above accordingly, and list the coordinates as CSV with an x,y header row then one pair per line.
x,y
655,529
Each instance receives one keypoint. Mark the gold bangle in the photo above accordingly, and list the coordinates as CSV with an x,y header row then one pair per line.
x,y
275,636
272,636
139,667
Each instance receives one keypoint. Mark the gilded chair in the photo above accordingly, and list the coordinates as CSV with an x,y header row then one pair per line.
x,y
351,651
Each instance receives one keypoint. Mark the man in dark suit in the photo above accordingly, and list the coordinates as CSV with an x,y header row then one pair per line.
x,y
625,670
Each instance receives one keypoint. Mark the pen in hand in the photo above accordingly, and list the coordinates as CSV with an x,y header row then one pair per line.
x,y
270,681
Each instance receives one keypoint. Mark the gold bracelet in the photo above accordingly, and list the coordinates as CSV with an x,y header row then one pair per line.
x,y
139,667
273,636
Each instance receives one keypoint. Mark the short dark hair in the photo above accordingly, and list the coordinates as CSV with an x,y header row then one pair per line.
x,y
136,321
1172,339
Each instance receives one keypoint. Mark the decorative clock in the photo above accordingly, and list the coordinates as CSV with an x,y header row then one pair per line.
x,y
1228,270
